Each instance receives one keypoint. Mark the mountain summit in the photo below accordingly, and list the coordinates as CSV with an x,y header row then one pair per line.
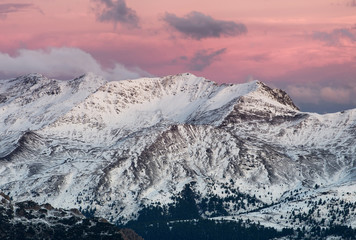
x,y
119,147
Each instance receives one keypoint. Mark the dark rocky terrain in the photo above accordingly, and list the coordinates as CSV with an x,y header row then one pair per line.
x,y
28,220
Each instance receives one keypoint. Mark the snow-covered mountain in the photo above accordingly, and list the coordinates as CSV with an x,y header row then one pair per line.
x,y
118,147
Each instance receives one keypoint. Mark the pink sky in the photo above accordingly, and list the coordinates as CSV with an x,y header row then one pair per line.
x,y
307,48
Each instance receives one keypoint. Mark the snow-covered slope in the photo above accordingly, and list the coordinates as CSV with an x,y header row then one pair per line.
x,y
33,101
118,146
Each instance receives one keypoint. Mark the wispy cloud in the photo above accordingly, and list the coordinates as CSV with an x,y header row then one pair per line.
x,y
351,3
7,8
197,25
318,93
327,88
204,58
116,11
258,57
321,98
335,36
63,63
179,59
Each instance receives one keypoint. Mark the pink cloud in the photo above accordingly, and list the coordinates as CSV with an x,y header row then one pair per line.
x,y
10,8
339,36
351,3
304,93
337,95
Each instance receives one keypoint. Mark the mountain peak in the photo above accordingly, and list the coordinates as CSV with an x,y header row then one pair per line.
x,y
278,94
34,75
31,79
88,81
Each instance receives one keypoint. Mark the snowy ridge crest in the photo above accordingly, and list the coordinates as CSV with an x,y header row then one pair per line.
x,y
117,146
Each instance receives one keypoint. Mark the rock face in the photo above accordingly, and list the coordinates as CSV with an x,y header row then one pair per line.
x,y
28,220
115,147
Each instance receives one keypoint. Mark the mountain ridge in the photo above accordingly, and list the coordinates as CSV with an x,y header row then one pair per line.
x,y
122,145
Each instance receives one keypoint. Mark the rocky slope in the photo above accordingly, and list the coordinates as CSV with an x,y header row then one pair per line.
x,y
118,147
28,220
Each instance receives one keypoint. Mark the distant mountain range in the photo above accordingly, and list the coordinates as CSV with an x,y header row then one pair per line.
x,y
179,148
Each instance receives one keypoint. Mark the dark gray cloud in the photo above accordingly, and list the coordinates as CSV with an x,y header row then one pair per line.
x,y
196,25
116,11
6,8
204,58
334,37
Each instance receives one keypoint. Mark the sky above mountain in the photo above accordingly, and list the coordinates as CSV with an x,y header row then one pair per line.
x,y
307,48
